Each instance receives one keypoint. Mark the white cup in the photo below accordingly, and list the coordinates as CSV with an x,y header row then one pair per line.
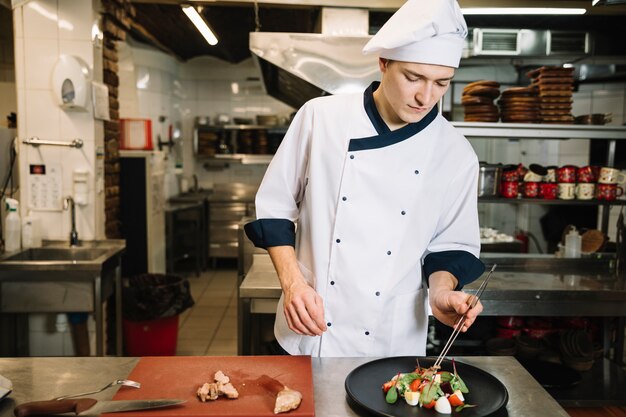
x,y
585,191
567,190
610,175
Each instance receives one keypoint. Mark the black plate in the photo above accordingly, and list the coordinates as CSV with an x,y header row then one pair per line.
x,y
364,383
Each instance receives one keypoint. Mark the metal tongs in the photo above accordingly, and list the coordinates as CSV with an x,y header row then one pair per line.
x,y
459,324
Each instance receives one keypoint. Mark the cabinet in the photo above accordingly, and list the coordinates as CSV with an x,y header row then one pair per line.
x,y
500,131
242,144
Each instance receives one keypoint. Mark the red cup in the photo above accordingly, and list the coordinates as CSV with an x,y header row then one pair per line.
x,y
508,333
521,171
585,174
509,189
548,190
608,192
531,189
510,175
566,174
510,322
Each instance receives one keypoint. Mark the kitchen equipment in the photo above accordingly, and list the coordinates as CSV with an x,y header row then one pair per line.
x,y
489,179
461,321
136,134
88,406
267,119
124,382
593,119
181,376
6,386
363,386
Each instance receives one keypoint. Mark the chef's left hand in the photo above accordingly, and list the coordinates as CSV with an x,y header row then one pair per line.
x,y
449,305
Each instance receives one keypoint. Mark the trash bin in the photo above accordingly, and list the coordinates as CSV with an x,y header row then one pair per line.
x,y
151,306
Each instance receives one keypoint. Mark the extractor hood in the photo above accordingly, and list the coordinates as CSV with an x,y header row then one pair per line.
x,y
296,67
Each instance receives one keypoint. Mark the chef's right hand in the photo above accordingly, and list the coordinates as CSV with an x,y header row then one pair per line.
x,y
304,309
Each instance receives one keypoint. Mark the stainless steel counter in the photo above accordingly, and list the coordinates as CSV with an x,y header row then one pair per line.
x,y
45,378
59,278
508,293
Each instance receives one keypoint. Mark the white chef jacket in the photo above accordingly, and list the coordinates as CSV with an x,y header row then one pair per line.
x,y
370,205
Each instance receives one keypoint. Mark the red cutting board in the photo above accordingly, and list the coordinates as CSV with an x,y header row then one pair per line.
x,y
179,377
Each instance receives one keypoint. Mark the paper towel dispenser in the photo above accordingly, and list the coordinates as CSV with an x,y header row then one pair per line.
x,y
70,83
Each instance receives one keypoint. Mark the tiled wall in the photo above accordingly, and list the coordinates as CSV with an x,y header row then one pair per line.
x,y
44,30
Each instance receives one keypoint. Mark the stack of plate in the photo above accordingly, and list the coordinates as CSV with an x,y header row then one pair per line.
x,y
554,86
477,100
520,105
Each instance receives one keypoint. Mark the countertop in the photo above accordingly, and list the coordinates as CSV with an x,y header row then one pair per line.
x,y
44,378
508,293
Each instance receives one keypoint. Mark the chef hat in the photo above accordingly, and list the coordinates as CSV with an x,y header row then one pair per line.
x,y
423,31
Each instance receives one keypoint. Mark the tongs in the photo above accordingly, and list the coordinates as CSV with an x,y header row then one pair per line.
x,y
459,324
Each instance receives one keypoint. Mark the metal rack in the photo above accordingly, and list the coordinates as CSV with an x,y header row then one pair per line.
x,y
610,133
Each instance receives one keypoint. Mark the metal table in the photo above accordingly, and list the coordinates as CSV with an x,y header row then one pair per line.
x,y
508,293
44,378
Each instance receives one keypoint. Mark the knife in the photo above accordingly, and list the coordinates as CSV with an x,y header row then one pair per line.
x,y
88,406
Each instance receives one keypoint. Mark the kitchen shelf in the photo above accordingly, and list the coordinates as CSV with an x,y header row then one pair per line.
x,y
236,158
540,131
500,200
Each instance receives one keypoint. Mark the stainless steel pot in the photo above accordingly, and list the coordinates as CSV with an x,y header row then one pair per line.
x,y
489,180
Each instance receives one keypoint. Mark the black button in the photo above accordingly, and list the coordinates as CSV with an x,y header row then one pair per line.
x,y
388,252
332,282
377,293
367,333
416,172
351,156
403,212
338,240
344,198
329,324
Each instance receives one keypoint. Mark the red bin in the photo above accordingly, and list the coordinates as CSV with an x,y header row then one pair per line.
x,y
151,337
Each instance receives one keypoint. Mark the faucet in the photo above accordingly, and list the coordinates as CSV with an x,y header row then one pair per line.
x,y
69,202
195,183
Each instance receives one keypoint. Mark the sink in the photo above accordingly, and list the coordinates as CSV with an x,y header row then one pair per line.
x,y
58,254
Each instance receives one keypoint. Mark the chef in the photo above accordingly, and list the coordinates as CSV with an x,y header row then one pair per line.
x,y
369,208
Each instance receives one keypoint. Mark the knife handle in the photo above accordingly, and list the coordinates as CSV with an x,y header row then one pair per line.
x,y
44,408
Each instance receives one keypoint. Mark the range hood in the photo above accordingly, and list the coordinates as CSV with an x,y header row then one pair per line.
x,y
296,67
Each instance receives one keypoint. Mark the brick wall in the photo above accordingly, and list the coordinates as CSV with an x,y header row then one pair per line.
x,y
116,17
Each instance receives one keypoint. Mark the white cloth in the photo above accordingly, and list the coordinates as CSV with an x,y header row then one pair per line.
x,y
422,31
365,220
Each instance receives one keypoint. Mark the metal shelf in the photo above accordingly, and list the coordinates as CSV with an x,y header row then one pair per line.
x,y
236,158
269,128
539,131
501,200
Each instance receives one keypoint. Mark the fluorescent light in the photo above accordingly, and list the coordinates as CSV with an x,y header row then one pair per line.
x,y
521,10
200,24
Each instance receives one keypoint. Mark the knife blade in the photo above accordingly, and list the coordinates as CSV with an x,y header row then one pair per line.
x,y
88,406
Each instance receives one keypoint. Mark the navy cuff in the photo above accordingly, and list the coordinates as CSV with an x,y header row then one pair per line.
x,y
265,233
463,265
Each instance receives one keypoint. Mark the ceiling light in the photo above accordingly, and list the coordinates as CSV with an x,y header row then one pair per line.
x,y
200,24
520,10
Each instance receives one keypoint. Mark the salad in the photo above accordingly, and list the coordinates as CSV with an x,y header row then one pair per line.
x,y
428,388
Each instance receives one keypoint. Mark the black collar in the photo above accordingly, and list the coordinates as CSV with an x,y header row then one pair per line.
x,y
385,136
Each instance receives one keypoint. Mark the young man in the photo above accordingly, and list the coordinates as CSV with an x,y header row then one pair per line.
x,y
383,191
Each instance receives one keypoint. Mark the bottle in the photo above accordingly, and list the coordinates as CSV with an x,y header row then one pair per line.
x,y
31,232
12,227
573,243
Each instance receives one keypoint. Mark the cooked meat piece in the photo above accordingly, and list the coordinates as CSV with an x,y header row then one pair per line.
x,y
220,378
228,390
207,392
287,400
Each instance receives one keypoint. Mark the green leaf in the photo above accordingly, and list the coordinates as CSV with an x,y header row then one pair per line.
x,y
461,407
392,395
429,393
446,376
462,385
